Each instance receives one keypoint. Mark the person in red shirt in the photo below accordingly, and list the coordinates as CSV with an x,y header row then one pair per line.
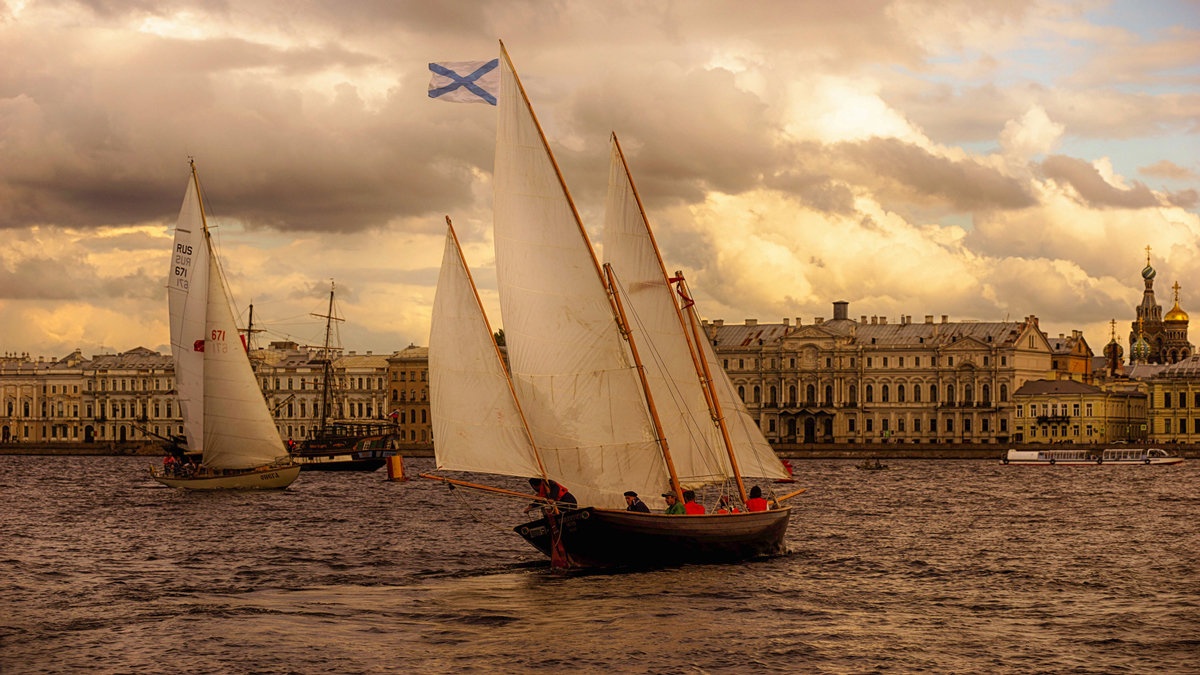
x,y
689,503
756,501
725,505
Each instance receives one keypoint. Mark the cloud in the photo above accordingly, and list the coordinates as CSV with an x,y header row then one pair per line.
x,y
1033,134
961,183
1093,188
1167,169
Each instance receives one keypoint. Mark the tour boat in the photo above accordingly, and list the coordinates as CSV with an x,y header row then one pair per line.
x,y
224,413
612,385
1108,456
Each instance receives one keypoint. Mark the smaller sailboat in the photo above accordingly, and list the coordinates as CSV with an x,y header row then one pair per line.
x,y
224,413
362,446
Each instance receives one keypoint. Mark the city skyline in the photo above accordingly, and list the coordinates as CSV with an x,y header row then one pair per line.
x,y
984,162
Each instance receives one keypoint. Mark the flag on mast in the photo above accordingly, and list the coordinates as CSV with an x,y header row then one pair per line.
x,y
465,81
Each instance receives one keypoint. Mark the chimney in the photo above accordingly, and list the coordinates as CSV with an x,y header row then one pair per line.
x,y
718,322
840,309
785,321
928,318
819,320
874,320
883,321
798,321
945,318
751,322
863,320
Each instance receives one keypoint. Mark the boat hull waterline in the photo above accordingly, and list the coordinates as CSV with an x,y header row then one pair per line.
x,y
260,478
593,537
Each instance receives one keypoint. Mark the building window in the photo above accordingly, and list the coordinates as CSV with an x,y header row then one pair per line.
x,y
917,425
950,361
1003,425
1004,393
1166,399
916,364
933,393
741,393
853,396
1087,407
1075,410
949,393
870,395
966,425
916,393
1020,410
870,425
792,395
987,395
810,394
949,424
756,393
828,395
900,361
883,394
885,366
850,425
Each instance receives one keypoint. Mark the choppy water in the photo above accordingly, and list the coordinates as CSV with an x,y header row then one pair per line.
x,y
940,566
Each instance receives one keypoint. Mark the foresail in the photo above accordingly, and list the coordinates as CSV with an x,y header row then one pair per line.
x,y
697,448
477,425
238,430
755,457
581,398
187,293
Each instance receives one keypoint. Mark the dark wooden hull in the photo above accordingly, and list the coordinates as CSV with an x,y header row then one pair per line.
x,y
345,452
594,537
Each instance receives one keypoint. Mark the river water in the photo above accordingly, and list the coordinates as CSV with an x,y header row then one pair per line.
x,y
937,566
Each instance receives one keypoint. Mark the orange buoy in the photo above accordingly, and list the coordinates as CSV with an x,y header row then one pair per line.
x,y
395,467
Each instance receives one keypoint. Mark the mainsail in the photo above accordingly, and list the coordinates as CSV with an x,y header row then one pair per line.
x,y
476,419
695,442
585,409
697,446
223,409
187,293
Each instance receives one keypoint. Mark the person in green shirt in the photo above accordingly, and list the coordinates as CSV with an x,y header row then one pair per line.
x,y
674,508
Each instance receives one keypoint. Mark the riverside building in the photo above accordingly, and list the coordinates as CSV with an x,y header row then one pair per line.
x,y
1067,411
870,381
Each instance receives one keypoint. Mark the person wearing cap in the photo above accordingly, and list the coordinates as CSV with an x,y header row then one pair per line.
x,y
674,508
689,504
635,504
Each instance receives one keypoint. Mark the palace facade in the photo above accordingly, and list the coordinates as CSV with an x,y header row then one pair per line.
x,y
870,381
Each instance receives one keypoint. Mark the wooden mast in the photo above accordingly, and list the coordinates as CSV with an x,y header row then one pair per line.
x,y
499,357
698,361
327,362
641,371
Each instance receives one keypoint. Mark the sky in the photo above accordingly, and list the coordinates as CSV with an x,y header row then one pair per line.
x,y
982,160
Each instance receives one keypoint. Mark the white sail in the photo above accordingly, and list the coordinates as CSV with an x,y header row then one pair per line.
x,y
755,456
695,441
238,430
187,297
476,419
580,396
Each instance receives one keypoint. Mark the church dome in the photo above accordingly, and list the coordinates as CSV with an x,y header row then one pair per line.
x,y
1176,314
1140,350
1148,272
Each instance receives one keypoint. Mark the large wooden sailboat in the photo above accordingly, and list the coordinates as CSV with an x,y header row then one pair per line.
x,y
224,413
361,446
613,386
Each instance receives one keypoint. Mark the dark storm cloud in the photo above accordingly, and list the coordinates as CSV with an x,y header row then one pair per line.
x,y
964,184
1092,187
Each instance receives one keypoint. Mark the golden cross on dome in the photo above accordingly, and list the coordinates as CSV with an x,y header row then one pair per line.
x,y
1176,287
1114,329
1147,255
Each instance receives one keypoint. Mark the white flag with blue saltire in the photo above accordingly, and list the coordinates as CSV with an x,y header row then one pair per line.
x,y
465,81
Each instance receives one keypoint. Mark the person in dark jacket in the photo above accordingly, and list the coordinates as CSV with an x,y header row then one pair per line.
x,y
635,504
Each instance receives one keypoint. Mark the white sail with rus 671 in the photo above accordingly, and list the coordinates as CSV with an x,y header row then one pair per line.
x,y
611,386
224,413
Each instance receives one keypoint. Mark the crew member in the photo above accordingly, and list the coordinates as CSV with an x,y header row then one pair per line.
x,y
635,504
674,508
689,503
756,501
